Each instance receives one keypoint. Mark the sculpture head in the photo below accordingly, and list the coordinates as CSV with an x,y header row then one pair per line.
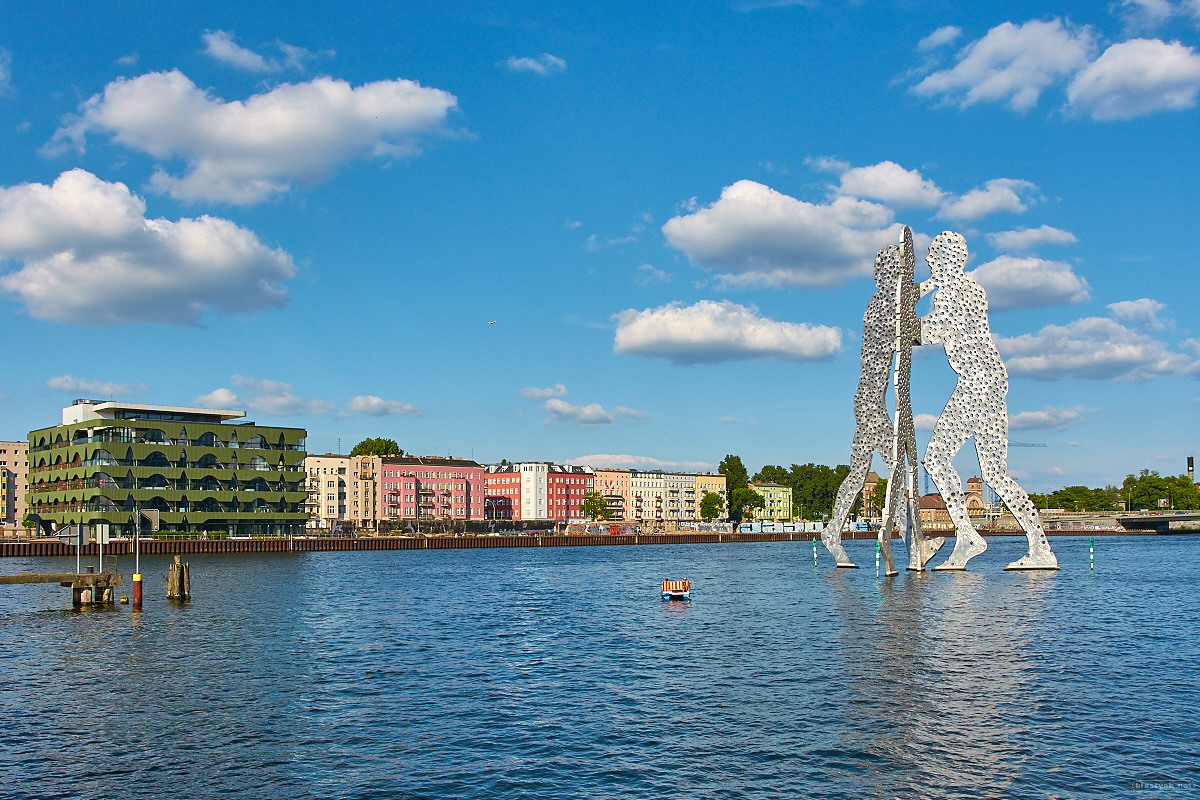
x,y
887,267
947,256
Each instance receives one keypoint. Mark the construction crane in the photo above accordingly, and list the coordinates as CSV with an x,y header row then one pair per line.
x,y
1026,444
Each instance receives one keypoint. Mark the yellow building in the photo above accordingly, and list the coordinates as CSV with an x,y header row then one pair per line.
x,y
778,506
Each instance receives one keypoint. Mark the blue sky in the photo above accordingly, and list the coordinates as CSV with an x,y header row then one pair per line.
x,y
629,234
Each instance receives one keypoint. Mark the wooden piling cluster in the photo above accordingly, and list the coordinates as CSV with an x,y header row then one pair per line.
x,y
179,581
87,588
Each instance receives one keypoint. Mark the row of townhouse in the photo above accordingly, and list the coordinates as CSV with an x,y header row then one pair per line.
x,y
363,491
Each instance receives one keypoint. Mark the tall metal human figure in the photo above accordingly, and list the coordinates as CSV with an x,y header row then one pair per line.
x,y
978,407
889,329
901,508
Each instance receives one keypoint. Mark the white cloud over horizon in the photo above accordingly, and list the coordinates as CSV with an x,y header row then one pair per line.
x,y
625,461
588,415
70,383
245,152
273,398
712,332
90,256
372,406
1048,417
1030,283
762,238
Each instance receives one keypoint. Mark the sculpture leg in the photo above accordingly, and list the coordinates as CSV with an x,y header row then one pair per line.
x,y
947,439
860,462
993,463
894,518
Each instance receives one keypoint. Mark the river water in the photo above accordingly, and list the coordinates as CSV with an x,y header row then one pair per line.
x,y
558,672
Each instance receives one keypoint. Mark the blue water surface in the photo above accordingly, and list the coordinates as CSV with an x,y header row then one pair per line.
x,y
558,672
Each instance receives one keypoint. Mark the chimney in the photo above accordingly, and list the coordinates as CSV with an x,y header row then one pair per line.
x,y
1191,470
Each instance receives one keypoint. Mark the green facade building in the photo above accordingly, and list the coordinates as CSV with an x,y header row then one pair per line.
x,y
198,468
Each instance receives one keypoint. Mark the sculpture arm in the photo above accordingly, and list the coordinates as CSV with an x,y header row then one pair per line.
x,y
924,287
929,333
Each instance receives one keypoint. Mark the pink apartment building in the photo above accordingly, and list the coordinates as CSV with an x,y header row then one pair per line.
x,y
429,487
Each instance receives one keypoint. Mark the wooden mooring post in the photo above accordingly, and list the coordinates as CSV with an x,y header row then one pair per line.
x,y
179,581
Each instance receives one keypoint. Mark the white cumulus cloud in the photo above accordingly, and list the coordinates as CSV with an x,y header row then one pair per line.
x,y
925,422
543,65
90,256
1091,348
1135,78
219,398
711,332
590,414
372,406
1030,283
1048,417
273,398
1030,238
943,36
997,195
761,237
887,182
221,46
535,393
248,151
1142,313
70,383
1012,63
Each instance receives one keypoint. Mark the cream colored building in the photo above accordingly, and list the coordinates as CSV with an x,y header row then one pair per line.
x,y
363,501
342,489
711,482
614,485
14,483
327,483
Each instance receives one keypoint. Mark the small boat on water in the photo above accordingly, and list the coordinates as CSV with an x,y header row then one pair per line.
x,y
677,590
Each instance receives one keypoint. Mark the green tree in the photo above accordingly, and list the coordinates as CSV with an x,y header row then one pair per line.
x,y
879,495
594,506
1080,498
712,505
745,499
814,488
772,473
1148,488
377,447
736,478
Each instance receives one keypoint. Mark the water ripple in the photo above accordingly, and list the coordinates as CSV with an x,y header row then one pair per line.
x,y
557,672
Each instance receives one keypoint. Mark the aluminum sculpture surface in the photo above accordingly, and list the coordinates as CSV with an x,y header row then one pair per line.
x,y
977,408
958,320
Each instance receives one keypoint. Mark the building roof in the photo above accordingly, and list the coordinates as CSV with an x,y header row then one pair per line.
x,y
932,501
432,461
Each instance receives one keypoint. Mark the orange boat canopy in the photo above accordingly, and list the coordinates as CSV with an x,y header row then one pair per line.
x,y
676,587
